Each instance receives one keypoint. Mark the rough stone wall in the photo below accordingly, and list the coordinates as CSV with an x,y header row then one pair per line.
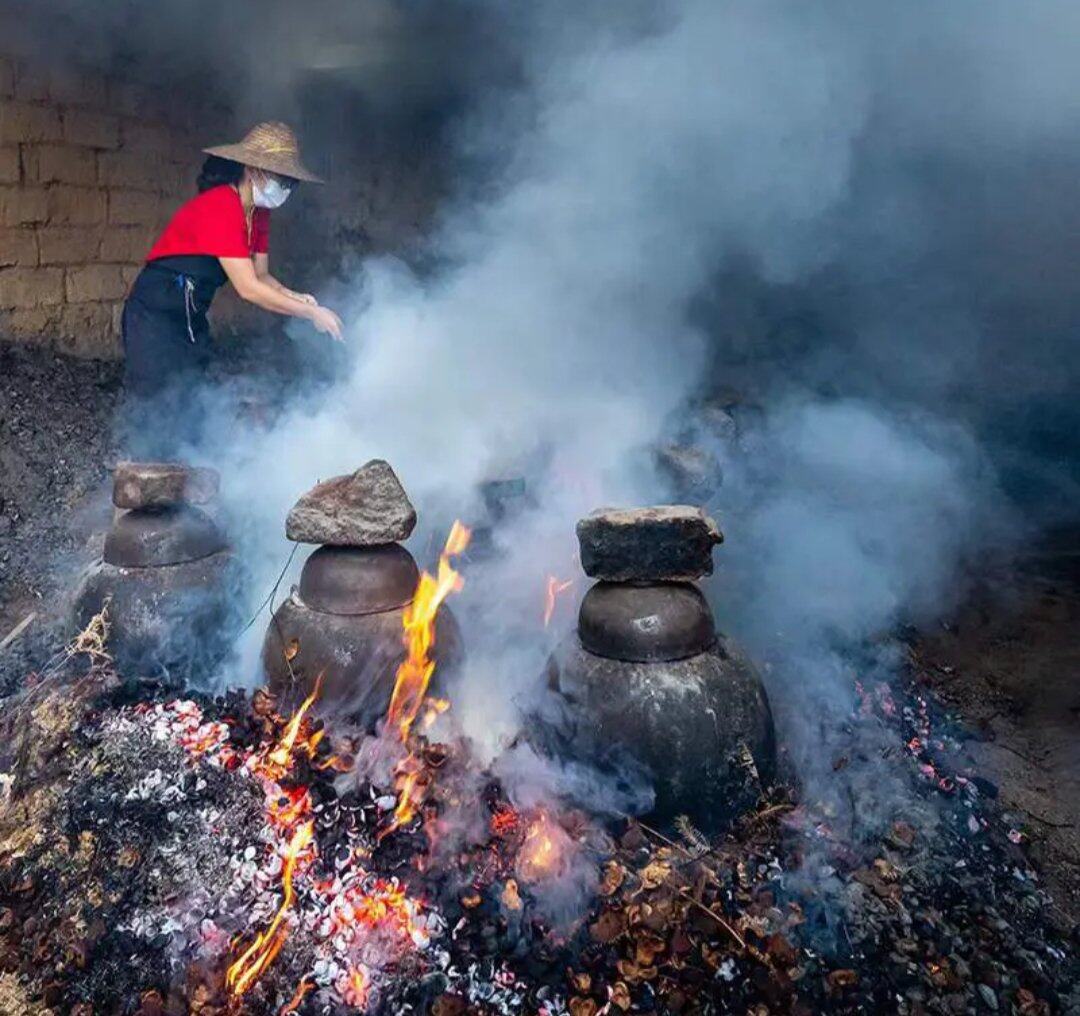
x,y
91,168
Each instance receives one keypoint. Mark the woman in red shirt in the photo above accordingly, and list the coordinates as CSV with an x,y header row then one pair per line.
x,y
220,235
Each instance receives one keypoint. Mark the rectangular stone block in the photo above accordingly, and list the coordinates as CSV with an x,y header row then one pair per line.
x,y
31,287
60,164
74,86
95,130
23,205
92,283
86,330
32,325
9,164
22,122
666,543
18,246
69,245
76,206
133,208
126,244
31,82
130,169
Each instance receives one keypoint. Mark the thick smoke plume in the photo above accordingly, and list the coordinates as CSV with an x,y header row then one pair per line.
x,y
861,216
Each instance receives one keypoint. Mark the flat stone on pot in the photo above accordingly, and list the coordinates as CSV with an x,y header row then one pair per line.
x,y
362,509
162,484
664,543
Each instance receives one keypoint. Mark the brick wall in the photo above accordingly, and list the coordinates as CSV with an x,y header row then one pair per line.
x,y
90,170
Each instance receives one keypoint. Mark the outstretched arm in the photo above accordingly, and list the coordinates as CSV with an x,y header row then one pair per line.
x,y
256,290
262,270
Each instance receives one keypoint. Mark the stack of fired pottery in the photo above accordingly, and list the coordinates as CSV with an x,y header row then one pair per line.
x,y
164,571
647,670
344,621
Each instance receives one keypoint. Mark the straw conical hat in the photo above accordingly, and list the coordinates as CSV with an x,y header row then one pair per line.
x,y
271,146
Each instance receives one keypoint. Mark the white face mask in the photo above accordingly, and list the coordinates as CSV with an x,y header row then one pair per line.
x,y
268,194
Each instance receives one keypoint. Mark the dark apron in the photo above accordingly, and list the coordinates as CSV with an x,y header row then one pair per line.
x,y
167,349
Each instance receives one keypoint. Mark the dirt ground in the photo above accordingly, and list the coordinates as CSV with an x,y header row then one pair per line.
x,y
1007,662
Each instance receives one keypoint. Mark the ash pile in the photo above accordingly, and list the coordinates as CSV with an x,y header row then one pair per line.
x,y
284,852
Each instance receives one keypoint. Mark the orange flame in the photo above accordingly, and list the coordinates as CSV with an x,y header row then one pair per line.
x,y
554,588
542,850
305,985
278,760
355,989
414,674
242,974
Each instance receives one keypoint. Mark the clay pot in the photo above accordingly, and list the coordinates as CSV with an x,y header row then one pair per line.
x,y
166,575
701,724
345,622
659,621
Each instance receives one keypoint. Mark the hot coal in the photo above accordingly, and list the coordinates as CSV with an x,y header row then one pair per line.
x,y
665,543
363,509
144,843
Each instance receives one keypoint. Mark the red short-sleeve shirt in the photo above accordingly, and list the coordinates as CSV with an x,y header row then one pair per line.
x,y
213,223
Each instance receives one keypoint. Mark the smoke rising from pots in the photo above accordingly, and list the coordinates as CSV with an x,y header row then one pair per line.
x,y
861,216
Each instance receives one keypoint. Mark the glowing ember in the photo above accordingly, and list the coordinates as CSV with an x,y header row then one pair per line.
x,y
554,588
305,985
242,974
354,987
543,850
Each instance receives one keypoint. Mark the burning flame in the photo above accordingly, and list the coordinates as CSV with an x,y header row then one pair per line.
x,y
542,850
414,674
278,760
242,974
555,586
354,990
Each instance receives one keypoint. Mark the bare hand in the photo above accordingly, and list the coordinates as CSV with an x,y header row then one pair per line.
x,y
327,322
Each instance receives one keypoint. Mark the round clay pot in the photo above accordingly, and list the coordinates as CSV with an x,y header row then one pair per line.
x,y
357,655
645,623
700,725
162,619
359,580
150,537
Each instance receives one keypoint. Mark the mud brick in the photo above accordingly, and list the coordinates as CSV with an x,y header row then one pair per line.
x,y
69,245
19,205
31,287
664,543
150,139
9,164
159,484
76,206
133,208
86,330
125,244
91,283
60,164
18,247
31,82
130,169
23,122
95,130
36,325
74,86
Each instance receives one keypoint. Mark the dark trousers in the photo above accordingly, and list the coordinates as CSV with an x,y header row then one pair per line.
x,y
167,351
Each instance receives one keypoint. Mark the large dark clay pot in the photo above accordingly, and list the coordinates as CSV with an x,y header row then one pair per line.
x,y
345,622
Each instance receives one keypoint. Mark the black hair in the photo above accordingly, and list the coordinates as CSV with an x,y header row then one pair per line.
x,y
216,171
